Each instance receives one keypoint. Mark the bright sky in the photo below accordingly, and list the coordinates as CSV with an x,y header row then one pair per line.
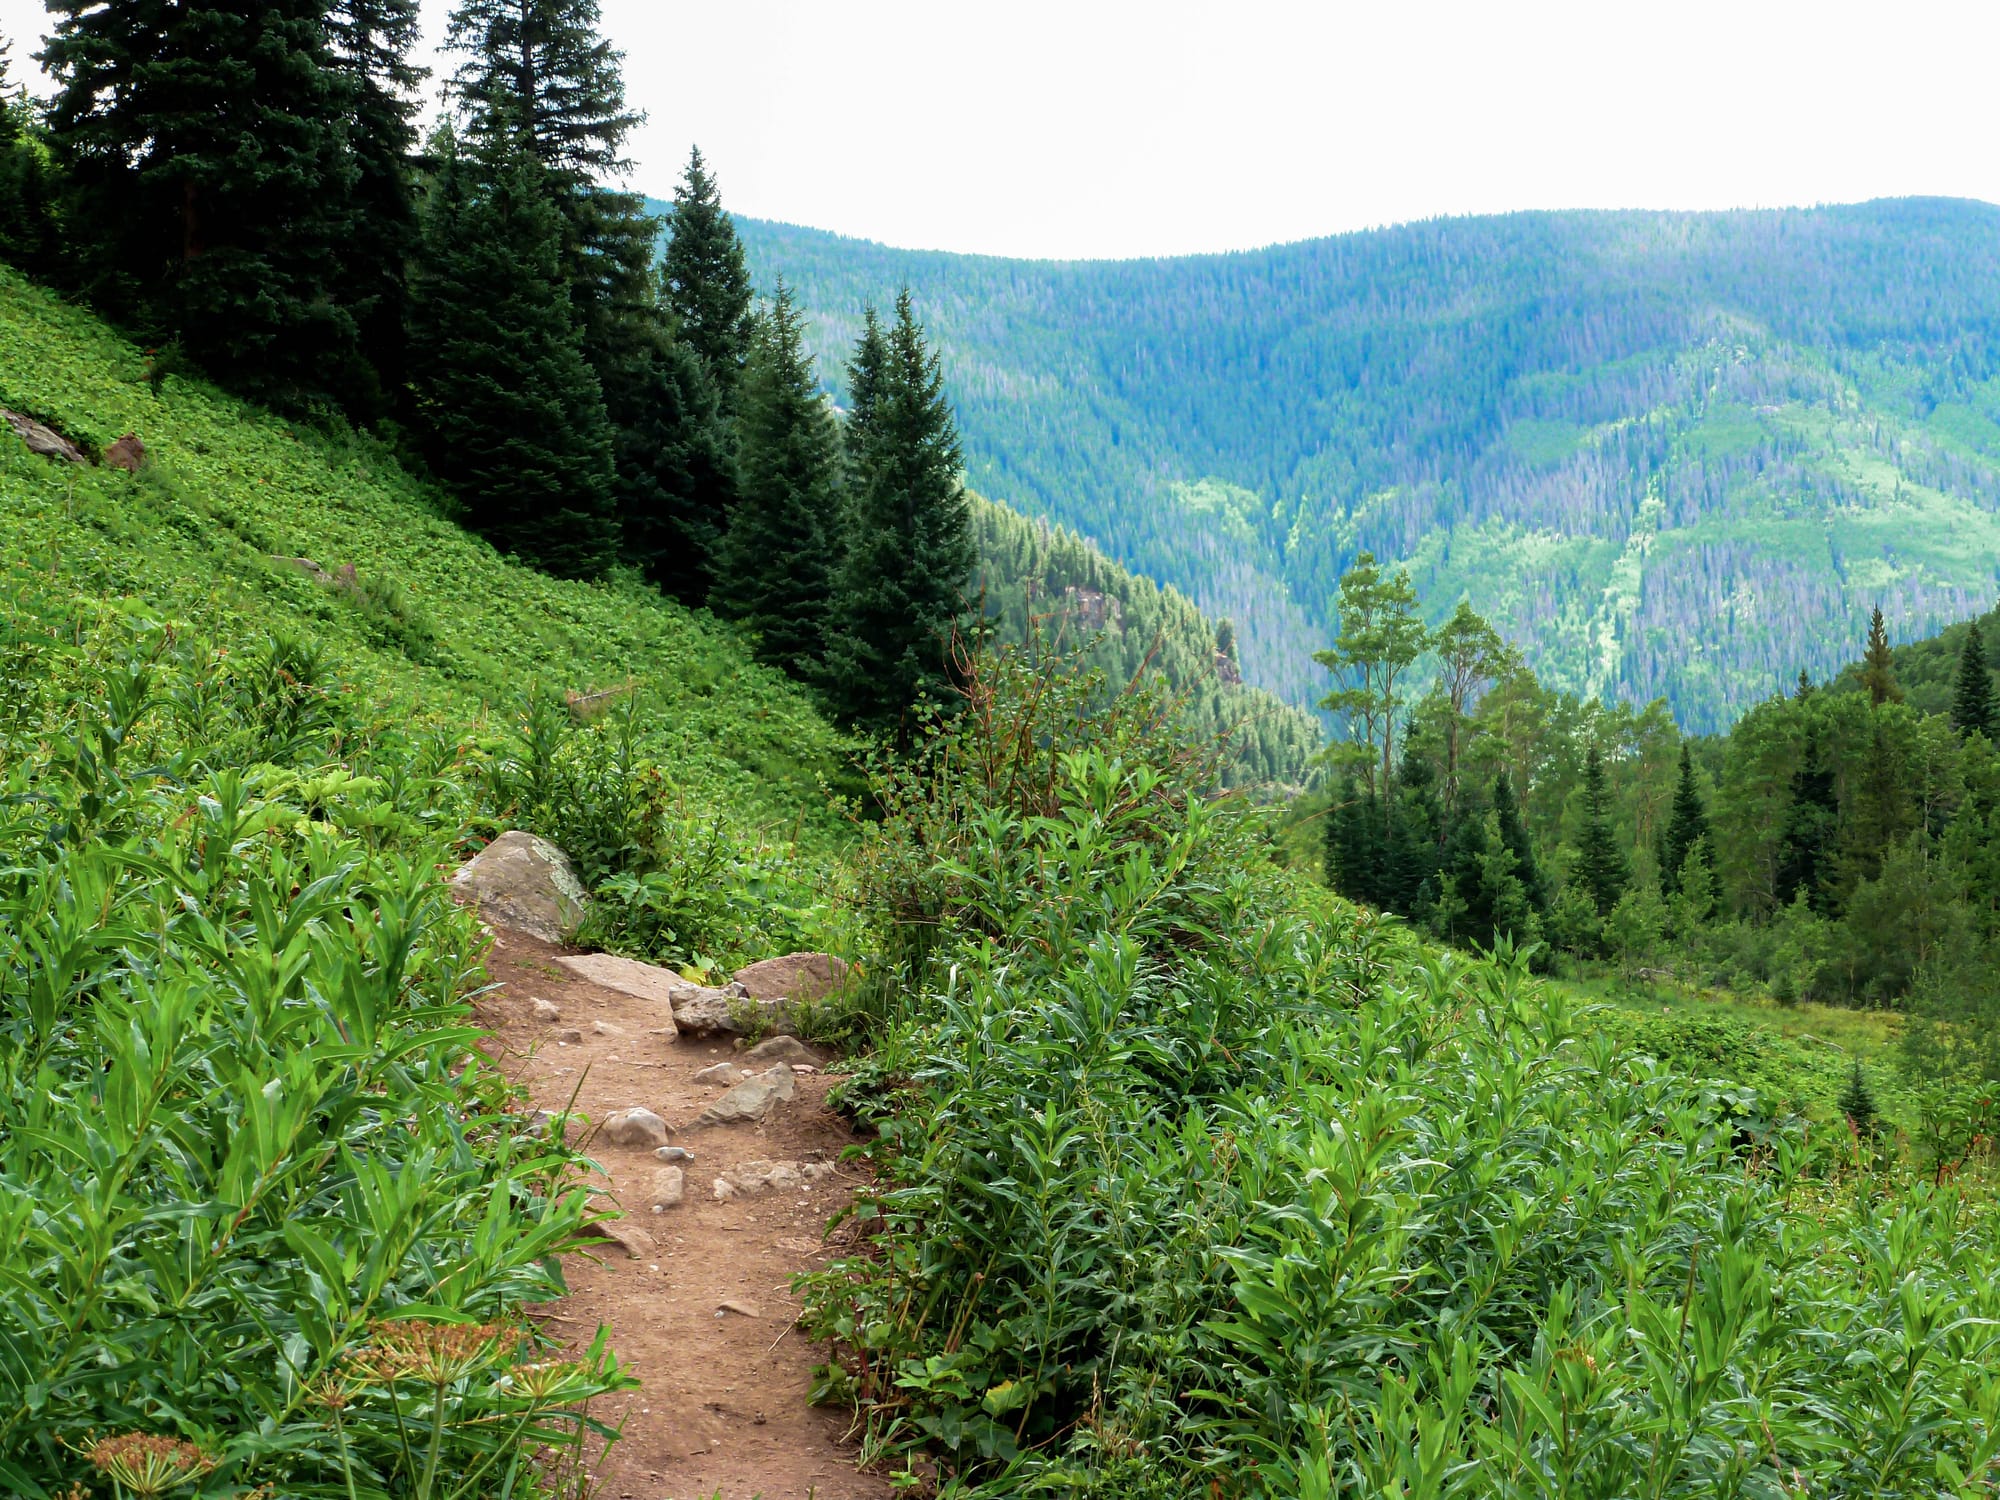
x,y
1130,127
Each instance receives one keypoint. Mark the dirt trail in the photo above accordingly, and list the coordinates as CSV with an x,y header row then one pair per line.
x,y
721,1410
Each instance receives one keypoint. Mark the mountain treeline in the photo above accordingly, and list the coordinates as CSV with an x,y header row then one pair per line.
x,y
243,187
1841,843
1036,579
1660,452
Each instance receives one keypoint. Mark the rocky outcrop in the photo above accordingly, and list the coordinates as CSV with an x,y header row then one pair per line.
x,y
42,440
794,977
524,884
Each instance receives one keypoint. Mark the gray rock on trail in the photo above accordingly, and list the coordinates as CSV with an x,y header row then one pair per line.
x,y
567,1036
634,1241
524,884
749,1179
795,977
751,1100
669,1186
635,1127
700,1010
674,1153
627,976
722,1072
782,1049
544,1010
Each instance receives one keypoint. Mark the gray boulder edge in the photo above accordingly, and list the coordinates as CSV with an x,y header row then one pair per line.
x,y
524,884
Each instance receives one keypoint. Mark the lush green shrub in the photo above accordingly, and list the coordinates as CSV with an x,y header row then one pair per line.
x,y
266,1215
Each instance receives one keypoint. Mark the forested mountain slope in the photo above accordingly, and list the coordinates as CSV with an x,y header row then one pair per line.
x,y
1670,454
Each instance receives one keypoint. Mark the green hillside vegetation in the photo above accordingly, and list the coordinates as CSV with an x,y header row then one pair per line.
x,y
1034,579
1668,455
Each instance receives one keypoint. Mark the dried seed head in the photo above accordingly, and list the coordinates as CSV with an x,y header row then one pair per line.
x,y
148,1464
437,1353
544,1379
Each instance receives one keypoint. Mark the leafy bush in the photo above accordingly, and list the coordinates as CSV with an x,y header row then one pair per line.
x,y
1194,1182
266,1216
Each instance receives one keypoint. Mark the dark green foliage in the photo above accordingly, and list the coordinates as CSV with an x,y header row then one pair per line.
x,y
511,414
900,593
1493,401
1514,836
1878,666
1687,825
210,185
774,569
1807,838
1382,852
1602,869
1857,1103
706,281
673,478
27,182
1972,705
538,74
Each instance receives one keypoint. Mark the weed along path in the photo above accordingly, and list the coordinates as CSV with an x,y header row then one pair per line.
x,y
698,1301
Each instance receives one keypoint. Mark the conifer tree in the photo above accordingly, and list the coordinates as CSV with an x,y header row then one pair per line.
x,y
1601,866
864,386
538,74
1687,824
209,181
1513,833
901,590
1878,667
27,189
1806,836
511,413
773,572
673,470
1972,706
706,278
1857,1103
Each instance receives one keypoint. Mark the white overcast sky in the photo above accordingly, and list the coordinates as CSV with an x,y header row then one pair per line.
x,y
1110,127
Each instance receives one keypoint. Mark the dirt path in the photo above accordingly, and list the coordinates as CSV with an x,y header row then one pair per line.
x,y
721,1411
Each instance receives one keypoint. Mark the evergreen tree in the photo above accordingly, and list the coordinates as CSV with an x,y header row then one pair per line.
x,y
511,414
1513,834
1601,867
370,43
27,188
1806,837
673,473
1972,706
538,74
210,185
1878,667
1687,824
1804,689
1857,1103
774,565
708,282
901,588
864,386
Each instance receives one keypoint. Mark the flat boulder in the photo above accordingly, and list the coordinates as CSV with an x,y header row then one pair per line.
x,y
524,884
730,1010
41,439
627,976
752,1100
794,977
781,1049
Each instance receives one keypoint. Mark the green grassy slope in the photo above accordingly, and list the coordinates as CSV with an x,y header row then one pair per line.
x,y
443,625
1670,454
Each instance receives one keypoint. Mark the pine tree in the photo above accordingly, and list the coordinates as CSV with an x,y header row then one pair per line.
x,y
864,387
773,573
1804,689
370,43
511,413
1857,1103
1878,667
707,280
1513,833
1972,706
538,74
1806,836
673,473
1687,823
210,185
1601,866
901,590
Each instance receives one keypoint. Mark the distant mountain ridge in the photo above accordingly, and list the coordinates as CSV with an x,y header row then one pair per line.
x,y
1670,454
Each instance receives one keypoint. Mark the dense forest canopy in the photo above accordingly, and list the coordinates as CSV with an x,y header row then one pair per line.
x,y
1668,455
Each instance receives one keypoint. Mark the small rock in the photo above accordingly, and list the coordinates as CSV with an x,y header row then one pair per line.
x,y
751,1178
524,883
567,1036
796,976
752,1099
724,1190
605,1028
741,1309
668,1188
544,1010
722,1072
674,1153
635,1127
785,1049
634,1241
127,453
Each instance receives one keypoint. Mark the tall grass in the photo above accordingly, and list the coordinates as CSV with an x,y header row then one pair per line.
x,y
1196,1183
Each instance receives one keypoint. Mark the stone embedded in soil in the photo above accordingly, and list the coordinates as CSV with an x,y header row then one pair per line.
x,y
544,1010
722,1072
750,1178
728,1011
605,1028
795,976
525,884
674,1153
753,1099
567,1036
635,1127
669,1185
627,976
741,1309
782,1049
634,1241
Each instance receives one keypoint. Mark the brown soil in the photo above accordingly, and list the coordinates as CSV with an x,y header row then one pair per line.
x,y
721,1410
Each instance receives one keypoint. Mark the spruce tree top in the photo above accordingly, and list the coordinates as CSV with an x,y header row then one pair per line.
x,y
1601,866
705,278
1878,668
538,72
1687,824
1973,706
